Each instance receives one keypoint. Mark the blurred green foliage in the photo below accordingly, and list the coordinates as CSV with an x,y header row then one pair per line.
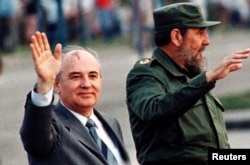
x,y
239,101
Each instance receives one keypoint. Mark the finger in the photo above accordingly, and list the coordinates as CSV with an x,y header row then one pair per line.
x,y
34,41
245,51
45,41
33,52
235,61
58,51
241,56
40,41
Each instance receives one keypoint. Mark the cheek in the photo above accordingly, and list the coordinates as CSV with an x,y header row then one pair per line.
x,y
98,88
194,47
194,43
67,88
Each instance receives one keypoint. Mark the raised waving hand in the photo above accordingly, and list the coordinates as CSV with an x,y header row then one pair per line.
x,y
228,64
46,64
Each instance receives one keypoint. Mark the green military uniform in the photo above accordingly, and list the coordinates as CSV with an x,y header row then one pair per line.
x,y
173,116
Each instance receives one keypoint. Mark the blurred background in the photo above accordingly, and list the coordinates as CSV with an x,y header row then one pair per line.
x,y
67,21
121,31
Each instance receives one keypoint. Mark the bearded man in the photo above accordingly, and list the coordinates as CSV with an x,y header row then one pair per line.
x,y
174,117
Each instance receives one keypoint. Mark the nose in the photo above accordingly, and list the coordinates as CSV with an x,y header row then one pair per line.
x,y
85,83
206,40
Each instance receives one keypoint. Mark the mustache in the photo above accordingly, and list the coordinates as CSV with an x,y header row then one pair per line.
x,y
202,49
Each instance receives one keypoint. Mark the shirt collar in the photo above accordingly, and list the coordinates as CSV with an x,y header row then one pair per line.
x,y
82,118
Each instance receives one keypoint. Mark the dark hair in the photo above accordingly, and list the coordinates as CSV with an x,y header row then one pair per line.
x,y
163,37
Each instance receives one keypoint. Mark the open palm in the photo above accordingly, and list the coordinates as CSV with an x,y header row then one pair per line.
x,y
46,64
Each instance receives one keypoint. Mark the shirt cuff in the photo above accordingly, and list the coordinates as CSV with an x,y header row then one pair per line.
x,y
41,100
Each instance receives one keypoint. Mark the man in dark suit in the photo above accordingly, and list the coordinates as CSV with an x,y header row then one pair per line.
x,y
59,134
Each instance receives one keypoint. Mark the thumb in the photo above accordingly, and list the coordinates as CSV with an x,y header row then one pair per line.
x,y
58,51
236,67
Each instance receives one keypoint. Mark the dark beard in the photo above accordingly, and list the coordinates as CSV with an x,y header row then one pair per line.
x,y
194,68
192,65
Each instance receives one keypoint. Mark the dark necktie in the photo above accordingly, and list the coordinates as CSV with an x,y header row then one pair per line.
x,y
105,150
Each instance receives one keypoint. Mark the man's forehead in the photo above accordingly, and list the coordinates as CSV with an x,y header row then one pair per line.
x,y
81,55
80,59
78,54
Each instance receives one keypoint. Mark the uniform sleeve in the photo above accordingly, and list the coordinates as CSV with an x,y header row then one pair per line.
x,y
150,98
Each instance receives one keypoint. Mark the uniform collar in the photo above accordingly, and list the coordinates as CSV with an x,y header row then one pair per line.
x,y
168,63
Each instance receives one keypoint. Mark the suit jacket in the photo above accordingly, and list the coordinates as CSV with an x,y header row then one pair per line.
x,y
53,135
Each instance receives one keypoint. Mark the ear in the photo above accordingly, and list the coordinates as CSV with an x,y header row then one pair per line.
x,y
56,86
176,37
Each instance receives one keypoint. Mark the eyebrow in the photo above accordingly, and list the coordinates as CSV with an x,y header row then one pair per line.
x,y
75,72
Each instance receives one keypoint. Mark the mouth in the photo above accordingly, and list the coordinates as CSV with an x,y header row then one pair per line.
x,y
85,94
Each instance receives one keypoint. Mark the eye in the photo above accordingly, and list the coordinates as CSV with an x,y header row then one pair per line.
x,y
201,31
93,75
75,76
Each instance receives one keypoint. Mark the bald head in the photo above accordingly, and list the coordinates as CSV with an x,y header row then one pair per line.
x,y
72,54
79,81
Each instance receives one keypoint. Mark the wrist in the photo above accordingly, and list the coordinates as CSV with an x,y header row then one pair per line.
x,y
209,77
43,87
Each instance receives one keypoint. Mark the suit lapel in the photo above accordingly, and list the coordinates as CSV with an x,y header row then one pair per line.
x,y
114,131
75,127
